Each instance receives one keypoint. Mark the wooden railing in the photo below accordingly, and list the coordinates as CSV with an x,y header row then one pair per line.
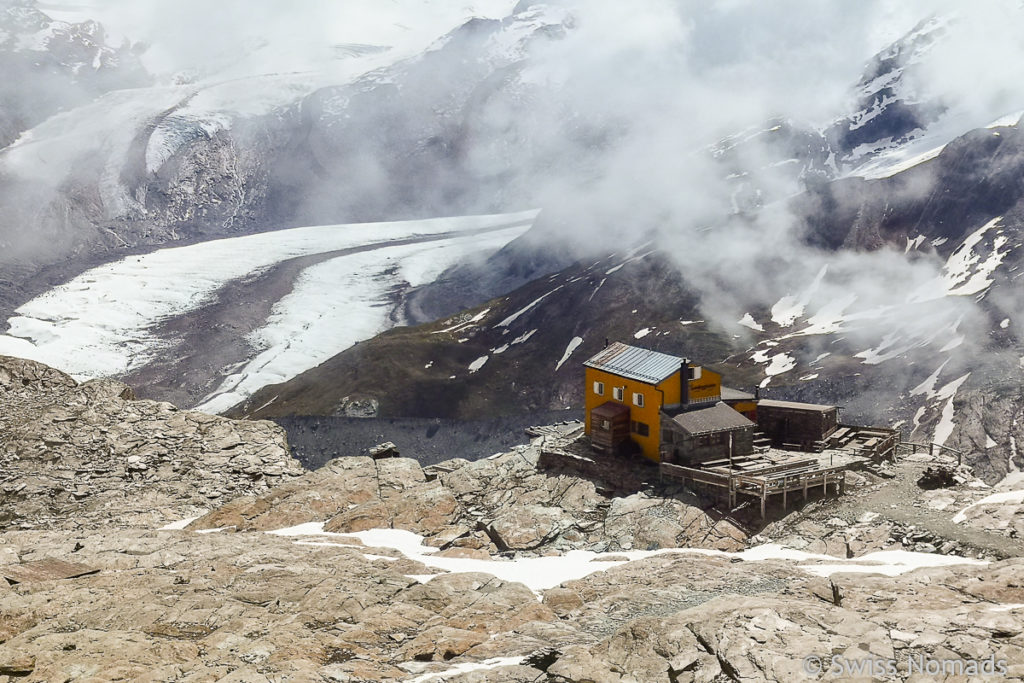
x,y
931,447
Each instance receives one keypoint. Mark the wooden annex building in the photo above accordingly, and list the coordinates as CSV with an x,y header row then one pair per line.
x,y
679,415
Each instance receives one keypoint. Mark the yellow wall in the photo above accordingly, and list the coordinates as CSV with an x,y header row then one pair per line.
x,y
745,407
708,386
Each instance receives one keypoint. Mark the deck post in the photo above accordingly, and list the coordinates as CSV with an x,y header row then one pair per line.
x,y
764,497
785,488
806,479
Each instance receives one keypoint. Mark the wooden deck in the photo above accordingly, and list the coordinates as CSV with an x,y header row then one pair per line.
x,y
761,482
876,443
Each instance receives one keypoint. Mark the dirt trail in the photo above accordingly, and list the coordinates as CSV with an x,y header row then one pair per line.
x,y
896,499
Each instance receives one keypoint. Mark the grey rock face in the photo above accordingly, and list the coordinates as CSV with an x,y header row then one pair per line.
x,y
75,455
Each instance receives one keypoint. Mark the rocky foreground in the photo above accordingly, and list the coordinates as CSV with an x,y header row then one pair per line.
x,y
504,569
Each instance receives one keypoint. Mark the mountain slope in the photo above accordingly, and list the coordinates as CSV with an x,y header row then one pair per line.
x,y
898,358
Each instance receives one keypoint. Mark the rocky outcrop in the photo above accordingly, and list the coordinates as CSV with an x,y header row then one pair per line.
x,y
260,607
87,591
774,637
500,504
76,455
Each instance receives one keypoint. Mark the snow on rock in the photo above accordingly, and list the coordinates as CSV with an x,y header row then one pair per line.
x,y
1009,120
1002,498
830,318
573,343
787,309
100,324
927,387
945,426
477,364
542,573
180,524
524,337
913,243
776,364
515,316
641,333
966,271
467,667
748,321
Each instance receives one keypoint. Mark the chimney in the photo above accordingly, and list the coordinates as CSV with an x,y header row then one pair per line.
x,y
684,382
606,342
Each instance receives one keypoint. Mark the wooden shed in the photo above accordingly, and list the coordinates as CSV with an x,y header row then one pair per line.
x,y
706,434
609,427
801,425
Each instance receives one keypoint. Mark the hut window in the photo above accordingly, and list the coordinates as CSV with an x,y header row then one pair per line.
x,y
694,373
638,400
617,393
599,388
640,428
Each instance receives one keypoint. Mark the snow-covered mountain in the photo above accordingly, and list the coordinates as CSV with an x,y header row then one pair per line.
x,y
867,258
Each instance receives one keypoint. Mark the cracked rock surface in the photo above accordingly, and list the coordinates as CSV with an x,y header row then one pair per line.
x,y
243,605
78,455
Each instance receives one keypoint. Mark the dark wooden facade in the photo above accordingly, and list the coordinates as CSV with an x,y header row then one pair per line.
x,y
709,434
609,427
801,425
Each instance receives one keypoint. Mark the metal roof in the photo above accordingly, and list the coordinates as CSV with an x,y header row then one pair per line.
x,y
792,405
632,362
717,418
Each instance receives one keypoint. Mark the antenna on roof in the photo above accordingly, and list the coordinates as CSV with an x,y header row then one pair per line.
x,y
606,342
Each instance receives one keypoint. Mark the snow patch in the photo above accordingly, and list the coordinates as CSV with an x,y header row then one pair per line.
x,y
641,333
966,272
913,243
523,337
515,316
180,524
928,385
477,364
748,321
787,309
1003,498
573,343
468,667
542,573
944,429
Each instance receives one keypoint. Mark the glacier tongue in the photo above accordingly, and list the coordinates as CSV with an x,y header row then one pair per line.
x,y
101,323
